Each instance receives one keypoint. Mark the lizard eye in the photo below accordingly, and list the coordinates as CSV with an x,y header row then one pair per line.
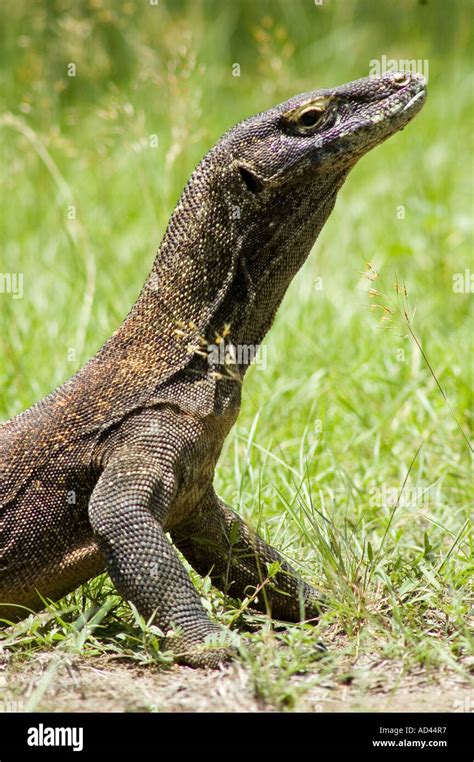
x,y
311,117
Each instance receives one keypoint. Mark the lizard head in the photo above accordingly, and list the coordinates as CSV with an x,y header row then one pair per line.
x,y
317,133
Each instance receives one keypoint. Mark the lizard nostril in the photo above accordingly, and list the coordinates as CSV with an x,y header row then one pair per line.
x,y
401,79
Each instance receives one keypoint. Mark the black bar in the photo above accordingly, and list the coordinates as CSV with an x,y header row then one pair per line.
x,y
371,734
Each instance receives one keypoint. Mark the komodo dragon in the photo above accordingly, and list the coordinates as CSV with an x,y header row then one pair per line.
x,y
93,476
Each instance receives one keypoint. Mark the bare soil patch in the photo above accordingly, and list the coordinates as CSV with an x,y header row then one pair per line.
x,y
69,684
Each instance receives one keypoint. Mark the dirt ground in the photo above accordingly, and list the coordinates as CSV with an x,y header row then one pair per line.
x,y
56,684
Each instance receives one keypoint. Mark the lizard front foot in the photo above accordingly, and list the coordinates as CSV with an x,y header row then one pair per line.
x,y
218,648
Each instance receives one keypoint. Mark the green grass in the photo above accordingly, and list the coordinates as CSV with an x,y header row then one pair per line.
x,y
346,455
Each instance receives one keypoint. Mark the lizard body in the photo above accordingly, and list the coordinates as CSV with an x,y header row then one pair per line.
x,y
93,476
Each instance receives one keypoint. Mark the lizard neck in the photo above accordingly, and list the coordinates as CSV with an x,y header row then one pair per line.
x,y
220,276
265,272
215,268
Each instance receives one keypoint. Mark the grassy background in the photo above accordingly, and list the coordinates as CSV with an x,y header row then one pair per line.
x,y
330,431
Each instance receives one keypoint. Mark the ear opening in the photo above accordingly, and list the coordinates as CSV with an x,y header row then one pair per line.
x,y
253,182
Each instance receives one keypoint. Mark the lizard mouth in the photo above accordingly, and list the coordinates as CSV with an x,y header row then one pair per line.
x,y
420,96
408,100
383,115
401,105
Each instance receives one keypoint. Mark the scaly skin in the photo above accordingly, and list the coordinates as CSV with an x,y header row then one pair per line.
x,y
95,474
